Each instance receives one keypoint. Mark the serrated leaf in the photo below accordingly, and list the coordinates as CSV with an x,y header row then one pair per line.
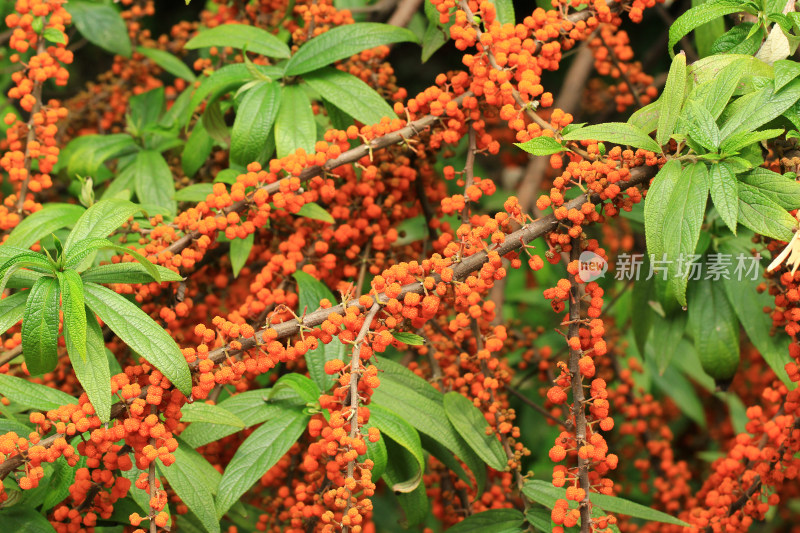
x,y
350,95
705,35
145,109
141,333
672,99
714,328
33,395
713,94
762,215
12,309
87,248
228,78
687,205
702,127
294,389
257,454
315,211
63,477
93,371
471,425
240,36
435,34
191,485
342,42
645,118
542,146
196,152
85,155
615,132
153,180
725,192
402,433
168,62
253,124
54,35
49,218
239,252
785,71
72,305
197,192
743,39
295,126
495,520
127,273
781,189
23,259
412,339
765,105
736,142
40,327
655,206
697,16
102,25
24,519
99,220
210,414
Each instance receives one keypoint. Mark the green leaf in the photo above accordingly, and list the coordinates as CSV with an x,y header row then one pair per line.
x,y
92,371
785,71
145,109
505,11
349,94
675,385
294,389
168,62
405,337
196,192
725,192
191,485
542,146
211,414
54,35
241,36
764,106
213,121
706,34
436,34
655,206
251,407
401,432
664,340
86,154
141,333
228,78
471,425
253,124
24,259
63,477
343,42
495,520
315,211
72,304
701,126
295,126
646,118
761,214
23,519
257,454
127,273
51,217
736,142
33,395
781,189
697,16
195,153
40,327
714,328
12,309
101,219
615,132
88,247
743,39
546,494
239,252
376,452
686,207
416,401
672,99
102,25
311,291
415,504
713,94
153,180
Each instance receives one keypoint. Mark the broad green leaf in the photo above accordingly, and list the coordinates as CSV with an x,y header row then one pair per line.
x,y
539,518
401,432
376,452
701,126
736,142
725,192
495,520
153,180
141,333
686,207
139,496
343,42
315,211
228,78
311,291
697,16
714,328
33,395
257,454
168,62
412,339
646,118
101,219
642,324
127,273
295,126
195,153
240,251
191,485
505,11
85,155
12,308
197,192
542,146
672,99
24,259
349,94
761,214
93,370
49,218
436,34
295,389
546,494
253,124
664,340
675,385
471,425
213,121
705,35
743,39
781,189
615,132
415,504
63,477
251,407
785,71
211,414
74,310
7,425
24,519
764,106
145,109
87,247
655,206
415,400
102,25
714,93
240,36
54,35
40,327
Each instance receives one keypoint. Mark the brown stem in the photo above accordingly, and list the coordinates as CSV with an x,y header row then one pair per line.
x,y
404,12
